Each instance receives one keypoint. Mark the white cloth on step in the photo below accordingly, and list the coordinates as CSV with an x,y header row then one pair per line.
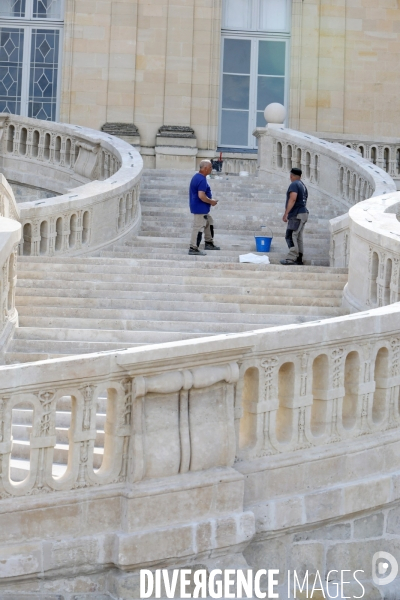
x,y
254,258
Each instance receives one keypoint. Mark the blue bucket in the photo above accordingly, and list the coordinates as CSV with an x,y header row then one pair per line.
x,y
263,243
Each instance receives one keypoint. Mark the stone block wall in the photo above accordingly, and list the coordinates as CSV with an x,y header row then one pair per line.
x,y
156,63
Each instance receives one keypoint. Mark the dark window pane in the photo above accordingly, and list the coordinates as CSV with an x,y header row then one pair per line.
x,y
260,119
270,89
271,58
234,128
235,91
237,56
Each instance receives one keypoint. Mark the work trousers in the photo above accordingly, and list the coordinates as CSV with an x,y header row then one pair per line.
x,y
294,237
202,223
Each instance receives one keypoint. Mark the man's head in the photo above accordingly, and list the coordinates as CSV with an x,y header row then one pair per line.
x,y
295,174
205,167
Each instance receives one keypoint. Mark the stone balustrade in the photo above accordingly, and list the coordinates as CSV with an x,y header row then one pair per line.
x,y
212,441
381,151
96,178
228,414
330,170
259,397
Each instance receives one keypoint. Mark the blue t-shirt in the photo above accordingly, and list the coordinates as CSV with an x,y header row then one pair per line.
x,y
301,200
199,184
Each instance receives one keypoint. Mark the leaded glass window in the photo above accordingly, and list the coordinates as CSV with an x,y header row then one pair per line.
x,y
11,51
30,46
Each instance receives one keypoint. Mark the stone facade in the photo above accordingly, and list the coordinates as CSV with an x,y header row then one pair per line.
x,y
156,63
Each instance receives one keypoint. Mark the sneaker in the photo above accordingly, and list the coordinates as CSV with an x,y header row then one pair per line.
x,y
211,246
196,252
287,261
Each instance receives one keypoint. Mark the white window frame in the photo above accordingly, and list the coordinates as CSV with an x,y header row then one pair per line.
x,y
28,23
255,38
255,11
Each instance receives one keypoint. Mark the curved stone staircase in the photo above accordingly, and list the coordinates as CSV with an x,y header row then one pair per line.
x,y
148,290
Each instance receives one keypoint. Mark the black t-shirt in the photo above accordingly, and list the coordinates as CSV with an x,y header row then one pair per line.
x,y
301,200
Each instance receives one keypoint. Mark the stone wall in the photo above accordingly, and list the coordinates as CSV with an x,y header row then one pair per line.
x,y
158,63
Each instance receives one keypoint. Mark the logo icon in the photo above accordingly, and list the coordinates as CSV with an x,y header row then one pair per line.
x,y
384,568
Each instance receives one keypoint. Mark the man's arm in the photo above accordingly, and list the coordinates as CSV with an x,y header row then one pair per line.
x,y
204,198
290,204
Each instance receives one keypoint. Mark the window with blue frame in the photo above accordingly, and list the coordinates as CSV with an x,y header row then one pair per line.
x,y
30,44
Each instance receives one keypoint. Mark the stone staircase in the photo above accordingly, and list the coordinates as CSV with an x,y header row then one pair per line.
x,y
147,289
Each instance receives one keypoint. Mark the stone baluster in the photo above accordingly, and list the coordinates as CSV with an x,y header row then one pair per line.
x,y
380,158
52,148
392,161
17,135
29,140
73,151
84,435
40,155
124,430
65,232
366,389
394,281
35,241
52,236
5,447
335,394
394,411
380,280
62,151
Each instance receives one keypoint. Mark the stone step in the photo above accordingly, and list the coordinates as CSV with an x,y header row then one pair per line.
x,y
243,313
66,347
204,328
117,336
221,259
193,303
200,282
133,268
250,295
147,289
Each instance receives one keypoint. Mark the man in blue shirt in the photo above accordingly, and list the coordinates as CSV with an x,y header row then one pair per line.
x,y
296,216
200,202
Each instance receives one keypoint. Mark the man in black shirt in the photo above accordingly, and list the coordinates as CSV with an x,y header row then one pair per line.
x,y
296,216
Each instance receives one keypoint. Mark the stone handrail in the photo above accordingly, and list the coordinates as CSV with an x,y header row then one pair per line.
x,y
96,178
